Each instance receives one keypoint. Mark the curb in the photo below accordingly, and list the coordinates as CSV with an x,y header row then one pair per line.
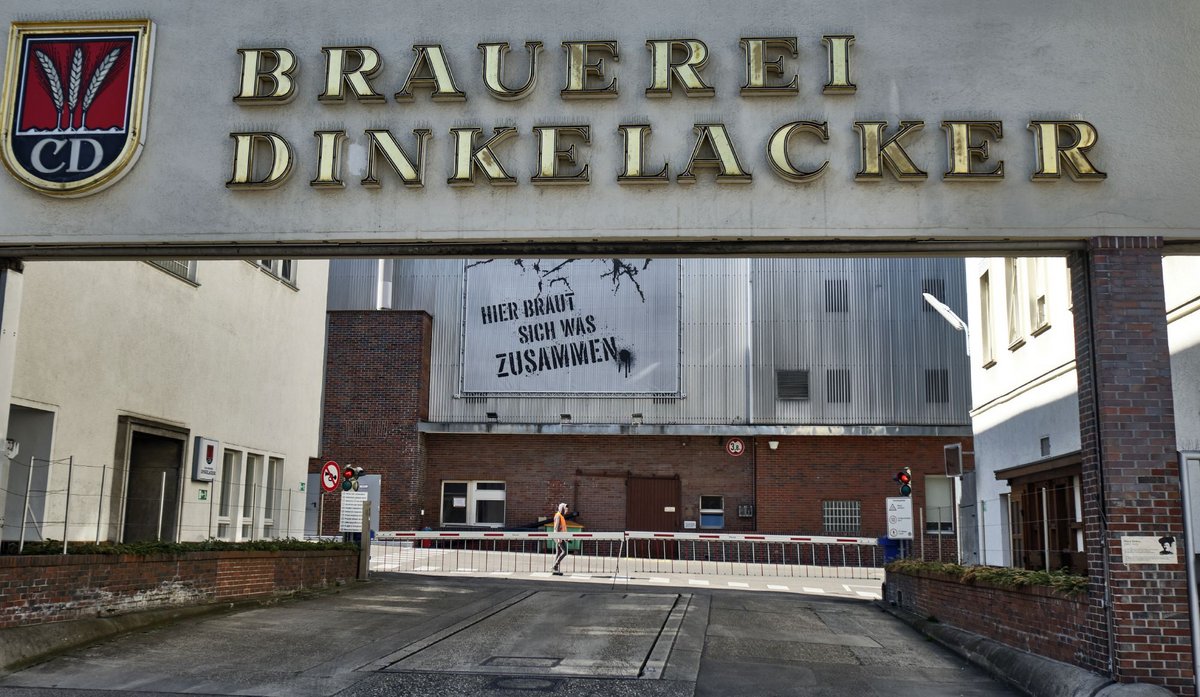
x,y
21,647
1031,674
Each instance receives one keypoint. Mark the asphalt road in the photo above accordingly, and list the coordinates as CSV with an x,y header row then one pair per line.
x,y
416,635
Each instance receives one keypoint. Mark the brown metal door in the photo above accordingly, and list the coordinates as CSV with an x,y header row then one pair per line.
x,y
652,504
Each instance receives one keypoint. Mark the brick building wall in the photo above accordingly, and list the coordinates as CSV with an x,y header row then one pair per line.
x,y
1041,621
588,473
1137,627
39,589
376,391
794,479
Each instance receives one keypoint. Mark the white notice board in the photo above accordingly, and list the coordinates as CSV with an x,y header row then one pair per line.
x,y
352,504
900,518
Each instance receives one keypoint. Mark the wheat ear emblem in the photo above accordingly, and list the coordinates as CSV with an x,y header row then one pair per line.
x,y
73,83
96,84
53,84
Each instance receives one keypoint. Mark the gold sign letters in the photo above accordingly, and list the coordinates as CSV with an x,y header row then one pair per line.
x,y
264,160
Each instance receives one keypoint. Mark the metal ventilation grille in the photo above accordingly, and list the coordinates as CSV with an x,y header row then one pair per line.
x,y
837,386
837,295
791,384
937,386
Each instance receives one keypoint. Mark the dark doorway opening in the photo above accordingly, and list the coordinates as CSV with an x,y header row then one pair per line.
x,y
152,487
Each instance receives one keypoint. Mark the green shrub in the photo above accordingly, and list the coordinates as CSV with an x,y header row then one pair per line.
x,y
1003,576
210,545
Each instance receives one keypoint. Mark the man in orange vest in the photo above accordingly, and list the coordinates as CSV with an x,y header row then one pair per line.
x,y
560,525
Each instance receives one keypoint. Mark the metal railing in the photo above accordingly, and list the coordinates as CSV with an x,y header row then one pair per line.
x,y
619,554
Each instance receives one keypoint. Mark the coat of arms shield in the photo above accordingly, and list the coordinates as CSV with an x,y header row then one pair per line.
x,y
74,103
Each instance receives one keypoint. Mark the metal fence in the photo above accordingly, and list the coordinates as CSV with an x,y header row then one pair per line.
x,y
67,500
619,554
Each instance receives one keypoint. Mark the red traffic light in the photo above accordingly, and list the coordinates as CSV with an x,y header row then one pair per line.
x,y
904,479
347,472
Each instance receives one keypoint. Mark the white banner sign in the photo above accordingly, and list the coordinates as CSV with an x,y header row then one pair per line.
x,y
571,326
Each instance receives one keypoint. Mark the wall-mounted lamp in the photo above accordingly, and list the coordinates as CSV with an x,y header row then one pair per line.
x,y
493,416
564,418
637,418
773,444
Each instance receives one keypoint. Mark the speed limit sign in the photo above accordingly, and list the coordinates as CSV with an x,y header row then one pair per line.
x,y
735,447
331,476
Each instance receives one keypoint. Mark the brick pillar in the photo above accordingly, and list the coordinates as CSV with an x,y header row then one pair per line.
x,y
376,394
1137,627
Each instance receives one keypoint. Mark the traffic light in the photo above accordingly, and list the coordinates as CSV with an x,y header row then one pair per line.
x,y
904,479
350,475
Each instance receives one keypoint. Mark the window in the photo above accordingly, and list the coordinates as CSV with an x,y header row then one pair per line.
x,y
271,495
1012,290
473,503
939,504
1039,321
712,512
837,386
283,269
229,474
250,491
937,386
841,517
985,319
935,287
837,295
791,384
180,268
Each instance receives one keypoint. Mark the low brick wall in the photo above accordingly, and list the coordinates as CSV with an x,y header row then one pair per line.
x,y
1038,620
53,588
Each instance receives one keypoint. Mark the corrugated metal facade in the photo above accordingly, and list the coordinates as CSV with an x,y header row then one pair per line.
x,y
859,323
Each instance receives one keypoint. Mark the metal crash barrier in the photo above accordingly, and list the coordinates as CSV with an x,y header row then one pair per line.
x,y
624,553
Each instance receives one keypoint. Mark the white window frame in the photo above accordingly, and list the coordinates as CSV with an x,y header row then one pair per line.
x,y
282,269
473,495
712,511
228,503
987,329
939,504
272,496
172,267
252,467
1038,309
1013,291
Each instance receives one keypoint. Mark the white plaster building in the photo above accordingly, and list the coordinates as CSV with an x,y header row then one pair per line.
x,y
1025,404
122,366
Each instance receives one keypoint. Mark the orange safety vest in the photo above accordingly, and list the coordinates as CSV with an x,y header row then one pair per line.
x,y
560,522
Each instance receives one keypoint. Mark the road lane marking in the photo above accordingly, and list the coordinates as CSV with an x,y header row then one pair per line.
x,y
656,579
777,588
735,584
697,582
813,590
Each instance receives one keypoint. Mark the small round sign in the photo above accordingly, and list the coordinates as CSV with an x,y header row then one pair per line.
x,y
331,476
735,446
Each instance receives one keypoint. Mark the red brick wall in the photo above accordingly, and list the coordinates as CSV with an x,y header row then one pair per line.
x,y
376,391
589,473
1131,473
39,589
794,479
1037,620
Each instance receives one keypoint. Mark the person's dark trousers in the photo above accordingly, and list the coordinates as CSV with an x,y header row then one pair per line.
x,y
562,553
